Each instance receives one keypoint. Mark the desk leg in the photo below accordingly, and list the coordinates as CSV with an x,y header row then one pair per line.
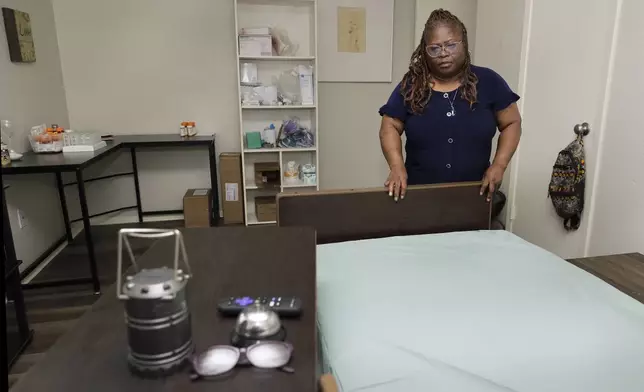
x,y
137,189
63,206
88,231
214,219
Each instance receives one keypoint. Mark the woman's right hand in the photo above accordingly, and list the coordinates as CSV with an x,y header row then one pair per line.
x,y
397,182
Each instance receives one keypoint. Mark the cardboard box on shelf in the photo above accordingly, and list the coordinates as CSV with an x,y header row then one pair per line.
x,y
266,208
230,174
255,45
197,207
267,175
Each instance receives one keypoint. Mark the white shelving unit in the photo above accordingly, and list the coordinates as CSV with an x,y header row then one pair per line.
x,y
299,19
269,107
277,58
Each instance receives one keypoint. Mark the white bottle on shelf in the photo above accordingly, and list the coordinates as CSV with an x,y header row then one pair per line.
x,y
305,73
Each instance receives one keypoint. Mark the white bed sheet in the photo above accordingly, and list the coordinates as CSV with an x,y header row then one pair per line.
x,y
478,311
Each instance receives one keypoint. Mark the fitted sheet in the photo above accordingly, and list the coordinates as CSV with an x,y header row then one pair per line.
x,y
472,311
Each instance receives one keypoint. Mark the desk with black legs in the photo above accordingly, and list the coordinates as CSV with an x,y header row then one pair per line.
x,y
32,163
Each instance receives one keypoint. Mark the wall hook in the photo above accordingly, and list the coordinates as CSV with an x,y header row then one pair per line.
x,y
582,129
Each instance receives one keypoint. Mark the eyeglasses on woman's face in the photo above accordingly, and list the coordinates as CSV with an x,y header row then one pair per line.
x,y
435,50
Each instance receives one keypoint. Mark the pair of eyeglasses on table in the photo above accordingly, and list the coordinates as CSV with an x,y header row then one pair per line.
x,y
220,360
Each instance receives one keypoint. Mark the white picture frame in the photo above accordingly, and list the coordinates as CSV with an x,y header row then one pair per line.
x,y
355,41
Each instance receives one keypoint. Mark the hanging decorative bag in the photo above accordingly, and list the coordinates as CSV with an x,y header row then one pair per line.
x,y
568,181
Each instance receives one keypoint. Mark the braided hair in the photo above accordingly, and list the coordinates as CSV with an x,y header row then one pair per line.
x,y
417,84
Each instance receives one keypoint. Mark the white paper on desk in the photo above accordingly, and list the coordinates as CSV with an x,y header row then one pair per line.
x,y
232,193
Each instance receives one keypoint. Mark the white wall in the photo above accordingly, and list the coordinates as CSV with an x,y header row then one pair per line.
x,y
31,94
136,67
558,94
350,153
499,46
618,219
565,84
465,10
144,66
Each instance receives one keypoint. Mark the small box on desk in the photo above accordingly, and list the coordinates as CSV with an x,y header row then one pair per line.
x,y
267,175
266,208
230,172
197,207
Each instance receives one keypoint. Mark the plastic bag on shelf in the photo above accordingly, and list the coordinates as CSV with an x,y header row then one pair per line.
x,y
288,87
250,96
282,43
294,135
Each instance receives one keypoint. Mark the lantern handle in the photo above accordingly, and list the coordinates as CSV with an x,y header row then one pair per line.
x,y
179,252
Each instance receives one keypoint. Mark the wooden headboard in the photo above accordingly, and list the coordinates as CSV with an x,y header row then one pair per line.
x,y
371,213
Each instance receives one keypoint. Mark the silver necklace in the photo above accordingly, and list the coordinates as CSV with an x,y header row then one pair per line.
x,y
451,113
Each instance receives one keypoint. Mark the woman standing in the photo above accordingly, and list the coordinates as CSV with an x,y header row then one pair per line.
x,y
450,110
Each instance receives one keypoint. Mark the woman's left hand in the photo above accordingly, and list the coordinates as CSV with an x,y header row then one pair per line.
x,y
492,179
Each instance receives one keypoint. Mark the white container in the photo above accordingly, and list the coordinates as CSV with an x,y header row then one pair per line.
x,y
249,48
269,136
72,138
248,74
255,31
41,142
250,96
291,173
269,95
84,147
50,146
308,174
82,141
305,75
255,45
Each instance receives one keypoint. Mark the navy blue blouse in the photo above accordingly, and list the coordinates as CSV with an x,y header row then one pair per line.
x,y
445,146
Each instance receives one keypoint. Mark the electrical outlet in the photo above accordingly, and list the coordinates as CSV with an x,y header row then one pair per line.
x,y
22,219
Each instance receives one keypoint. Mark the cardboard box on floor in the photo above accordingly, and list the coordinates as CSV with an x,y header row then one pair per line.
x,y
266,208
197,207
230,175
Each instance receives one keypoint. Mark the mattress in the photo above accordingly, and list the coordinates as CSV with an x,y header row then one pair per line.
x,y
475,311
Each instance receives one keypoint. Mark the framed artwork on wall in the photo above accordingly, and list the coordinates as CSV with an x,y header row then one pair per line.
x,y
20,39
355,41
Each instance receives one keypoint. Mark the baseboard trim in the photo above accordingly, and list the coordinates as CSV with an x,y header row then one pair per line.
x,y
31,267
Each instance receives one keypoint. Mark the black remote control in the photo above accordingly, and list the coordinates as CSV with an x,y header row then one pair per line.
x,y
283,306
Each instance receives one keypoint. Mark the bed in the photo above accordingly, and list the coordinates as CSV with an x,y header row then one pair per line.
x,y
472,311
419,296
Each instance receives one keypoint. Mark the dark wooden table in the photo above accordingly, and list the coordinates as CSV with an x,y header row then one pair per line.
x,y
225,262
77,162
625,272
